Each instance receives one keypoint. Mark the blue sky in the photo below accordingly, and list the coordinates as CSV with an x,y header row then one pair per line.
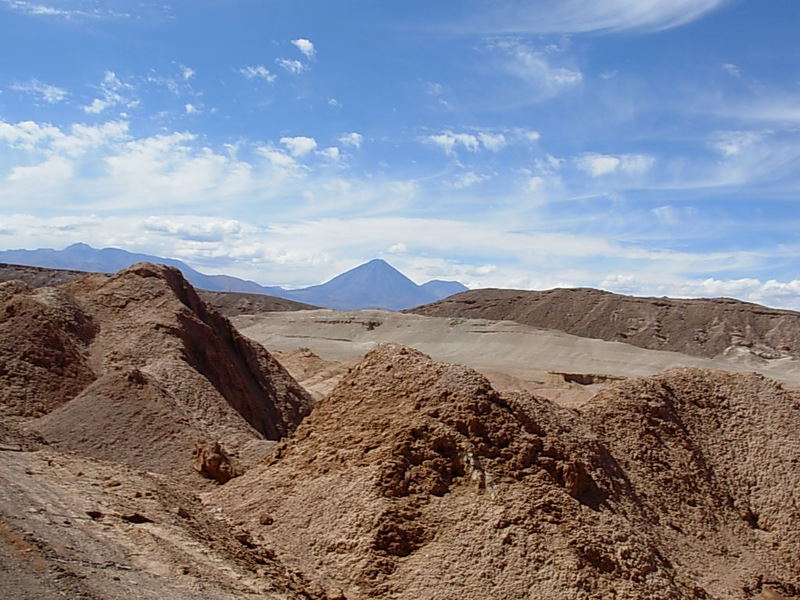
x,y
644,147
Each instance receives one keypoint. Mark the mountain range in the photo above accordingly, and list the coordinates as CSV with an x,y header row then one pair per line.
x,y
375,284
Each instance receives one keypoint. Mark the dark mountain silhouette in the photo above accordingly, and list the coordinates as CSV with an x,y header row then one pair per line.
x,y
375,284
443,289
82,257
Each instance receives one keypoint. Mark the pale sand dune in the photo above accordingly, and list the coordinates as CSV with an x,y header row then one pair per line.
x,y
494,347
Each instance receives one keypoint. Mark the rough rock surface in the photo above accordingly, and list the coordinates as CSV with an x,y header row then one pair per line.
x,y
227,303
416,479
701,327
73,527
134,367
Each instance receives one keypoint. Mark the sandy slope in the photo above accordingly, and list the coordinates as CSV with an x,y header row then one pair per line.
x,y
493,347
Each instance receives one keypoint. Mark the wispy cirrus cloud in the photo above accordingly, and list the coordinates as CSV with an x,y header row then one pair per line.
x,y
49,93
582,16
545,72
65,10
291,65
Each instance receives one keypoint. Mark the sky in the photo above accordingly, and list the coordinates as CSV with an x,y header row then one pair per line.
x,y
646,147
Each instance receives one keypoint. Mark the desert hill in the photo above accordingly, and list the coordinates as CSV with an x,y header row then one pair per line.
x,y
416,479
227,303
135,367
410,478
700,327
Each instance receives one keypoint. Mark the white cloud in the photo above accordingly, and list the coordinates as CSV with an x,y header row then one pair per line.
x,y
731,143
258,71
578,16
352,139
528,134
398,248
597,165
468,179
191,109
548,165
293,66
49,93
334,103
114,92
535,184
187,72
780,294
493,141
44,10
198,229
331,153
732,69
536,67
300,145
448,141
306,47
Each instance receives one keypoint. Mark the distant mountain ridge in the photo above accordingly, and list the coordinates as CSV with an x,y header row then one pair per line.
x,y
375,284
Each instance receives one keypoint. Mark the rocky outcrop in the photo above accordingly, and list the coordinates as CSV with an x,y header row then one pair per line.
x,y
701,327
416,479
135,367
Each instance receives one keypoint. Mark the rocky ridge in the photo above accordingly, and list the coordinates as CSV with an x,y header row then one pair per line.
x,y
700,327
135,367
416,479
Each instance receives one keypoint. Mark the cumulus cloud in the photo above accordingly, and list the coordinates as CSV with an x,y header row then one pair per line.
x,y
352,139
191,109
493,141
258,72
448,141
49,93
306,47
292,66
300,145
331,153
597,165
780,294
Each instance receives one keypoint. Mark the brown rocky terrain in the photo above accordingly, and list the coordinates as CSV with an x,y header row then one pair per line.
x,y
227,303
38,276
134,367
409,478
700,327
231,304
416,479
